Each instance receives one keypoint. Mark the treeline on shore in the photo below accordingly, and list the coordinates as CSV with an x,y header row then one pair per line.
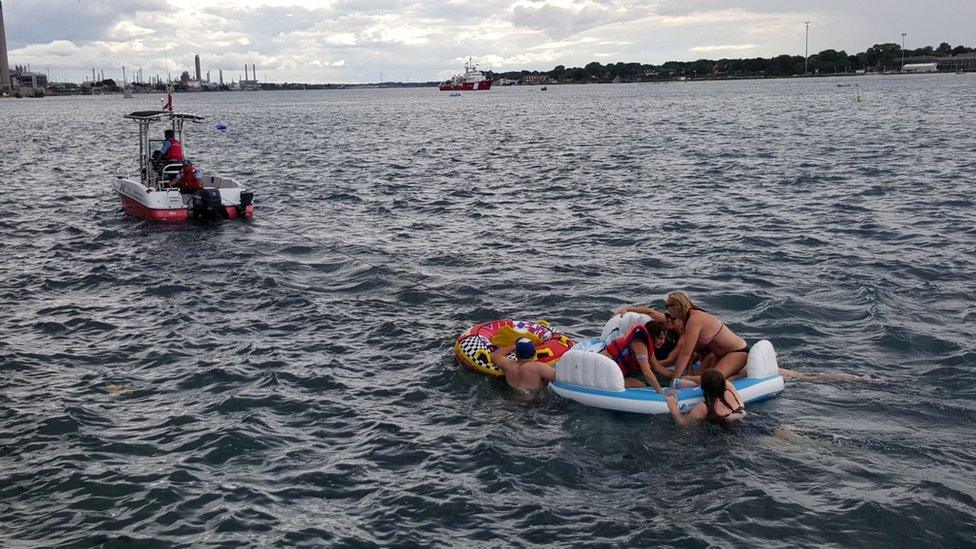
x,y
878,57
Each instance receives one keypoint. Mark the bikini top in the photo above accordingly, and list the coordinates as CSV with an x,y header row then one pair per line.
x,y
703,341
738,410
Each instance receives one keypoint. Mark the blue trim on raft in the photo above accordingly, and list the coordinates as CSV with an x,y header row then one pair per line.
x,y
650,395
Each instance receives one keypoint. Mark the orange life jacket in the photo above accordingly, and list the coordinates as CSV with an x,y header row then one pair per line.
x,y
620,352
175,152
188,179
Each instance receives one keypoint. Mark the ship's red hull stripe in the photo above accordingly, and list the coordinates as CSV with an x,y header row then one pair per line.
x,y
467,86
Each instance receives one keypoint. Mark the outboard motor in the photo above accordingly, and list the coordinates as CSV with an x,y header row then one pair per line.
x,y
207,204
247,197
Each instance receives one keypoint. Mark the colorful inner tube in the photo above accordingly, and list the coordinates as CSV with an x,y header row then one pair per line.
x,y
472,346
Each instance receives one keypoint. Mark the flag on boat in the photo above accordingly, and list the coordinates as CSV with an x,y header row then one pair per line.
x,y
168,106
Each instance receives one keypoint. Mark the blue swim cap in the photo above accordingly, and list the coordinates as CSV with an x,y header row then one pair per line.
x,y
524,348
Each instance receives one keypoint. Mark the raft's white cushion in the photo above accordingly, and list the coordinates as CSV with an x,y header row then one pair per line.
x,y
619,324
589,370
762,360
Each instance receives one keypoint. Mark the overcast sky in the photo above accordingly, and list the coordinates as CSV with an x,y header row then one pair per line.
x,y
358,40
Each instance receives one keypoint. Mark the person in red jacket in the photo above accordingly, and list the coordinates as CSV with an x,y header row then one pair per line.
x,y
190,179
633,352
172,150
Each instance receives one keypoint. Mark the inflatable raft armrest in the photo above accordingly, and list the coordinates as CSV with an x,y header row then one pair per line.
x,y
619,324
762,360
588,369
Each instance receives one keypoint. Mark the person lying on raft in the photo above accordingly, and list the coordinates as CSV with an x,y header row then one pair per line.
x,y
708,336
633,353
524,374
721,402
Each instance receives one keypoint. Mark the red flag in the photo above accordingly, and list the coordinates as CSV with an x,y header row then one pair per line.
x,y
169,99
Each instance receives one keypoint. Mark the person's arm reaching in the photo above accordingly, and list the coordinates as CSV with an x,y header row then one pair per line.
x,y
686,348
679,418
501,359
641,353
653,313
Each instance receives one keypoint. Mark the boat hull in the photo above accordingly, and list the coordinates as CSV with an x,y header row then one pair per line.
x,y
467,86
171,206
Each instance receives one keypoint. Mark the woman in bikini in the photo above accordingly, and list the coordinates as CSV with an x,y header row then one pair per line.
x,y
708,336
720,401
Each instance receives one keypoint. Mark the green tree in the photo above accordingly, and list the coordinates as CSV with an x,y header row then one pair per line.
x,y
594,70
880,55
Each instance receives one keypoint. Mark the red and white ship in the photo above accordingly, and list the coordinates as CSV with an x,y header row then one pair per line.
x,y
472,79
150,194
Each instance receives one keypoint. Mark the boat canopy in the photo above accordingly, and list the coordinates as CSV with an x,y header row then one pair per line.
x,y
155,116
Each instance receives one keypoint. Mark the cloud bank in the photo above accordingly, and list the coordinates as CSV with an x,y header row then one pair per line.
x,y
357,40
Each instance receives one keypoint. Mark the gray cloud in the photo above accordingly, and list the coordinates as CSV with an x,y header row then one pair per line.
x,y
80,21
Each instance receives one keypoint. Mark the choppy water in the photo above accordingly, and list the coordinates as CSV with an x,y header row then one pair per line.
x,y
234,384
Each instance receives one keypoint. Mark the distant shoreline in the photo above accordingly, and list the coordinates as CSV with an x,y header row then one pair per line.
x,y
404,85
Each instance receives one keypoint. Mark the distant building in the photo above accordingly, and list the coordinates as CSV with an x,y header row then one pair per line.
x,y
537,79
920,67
961,62
20,77
196,62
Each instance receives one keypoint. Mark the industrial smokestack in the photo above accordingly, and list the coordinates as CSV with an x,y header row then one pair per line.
x,y
196,62
4,67
245,72
221,76
254,73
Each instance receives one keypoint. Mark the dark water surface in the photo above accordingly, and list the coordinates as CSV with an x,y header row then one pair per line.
x,y
235,384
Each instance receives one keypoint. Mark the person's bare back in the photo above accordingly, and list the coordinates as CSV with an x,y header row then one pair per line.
x,y
523,373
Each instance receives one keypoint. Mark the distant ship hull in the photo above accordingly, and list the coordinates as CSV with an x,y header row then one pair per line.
x,y
466,86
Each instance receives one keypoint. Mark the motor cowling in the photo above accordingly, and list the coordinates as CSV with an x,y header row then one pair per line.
x,y
207,204
247,198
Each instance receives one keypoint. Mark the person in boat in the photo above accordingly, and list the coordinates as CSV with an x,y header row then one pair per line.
x,y
190,179
720,401
523,373
634,353
170,153
709,337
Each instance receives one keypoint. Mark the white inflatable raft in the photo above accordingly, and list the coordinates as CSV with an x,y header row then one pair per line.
x,y
584,375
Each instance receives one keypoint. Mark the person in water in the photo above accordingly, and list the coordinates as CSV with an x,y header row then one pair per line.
x,y
716,343
720,401
634,354
523,373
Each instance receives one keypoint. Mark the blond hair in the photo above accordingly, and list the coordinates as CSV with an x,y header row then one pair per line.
x,y
680,301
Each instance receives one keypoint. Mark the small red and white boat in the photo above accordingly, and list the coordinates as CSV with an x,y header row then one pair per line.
x,y
471,80
150,194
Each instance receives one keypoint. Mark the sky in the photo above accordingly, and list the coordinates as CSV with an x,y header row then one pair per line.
x,y
356,41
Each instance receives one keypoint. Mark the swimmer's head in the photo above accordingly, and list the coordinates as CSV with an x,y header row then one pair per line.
x,y
524,349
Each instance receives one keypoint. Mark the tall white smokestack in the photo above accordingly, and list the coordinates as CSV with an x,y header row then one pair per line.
x,y
4,67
